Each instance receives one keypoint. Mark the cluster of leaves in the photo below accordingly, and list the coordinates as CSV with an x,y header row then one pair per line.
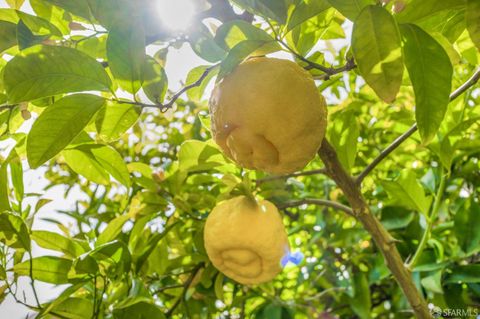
x,y
150,172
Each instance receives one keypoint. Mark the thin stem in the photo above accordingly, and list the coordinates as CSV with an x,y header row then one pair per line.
x,y
320,202
186,285
32,282
297,174
7,107
399,140
430,220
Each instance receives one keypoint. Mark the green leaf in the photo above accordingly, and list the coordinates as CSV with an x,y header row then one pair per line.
x,y
377,49
218,286
126,54
15,4
407,192
114,119
466,228
16,172
8,35
155,81
431,72
59,124
80,8
234,32
198,155
14,232
204,45
433,282
416,10
472,16
51,71
96,156
306,10
73,308
113,257
57,242
194,75
39,26
464,274
350,8
26,38
361,302
274,9
242,50
112,230
4,191
138,310
54,14
343,134
49,269
396,217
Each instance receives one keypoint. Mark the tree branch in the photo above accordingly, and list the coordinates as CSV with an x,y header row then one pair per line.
x,y
320,202
186,285
399,140
297,174
384,241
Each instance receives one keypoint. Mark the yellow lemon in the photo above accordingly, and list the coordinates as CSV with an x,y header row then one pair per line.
x,y
246,240
268,115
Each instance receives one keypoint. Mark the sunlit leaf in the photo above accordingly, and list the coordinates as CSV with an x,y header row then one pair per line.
x,y
114,119
59,124
49,269
472,15
57,242
52,70
377,50
350,8
155,81
112,230
305,10
14,232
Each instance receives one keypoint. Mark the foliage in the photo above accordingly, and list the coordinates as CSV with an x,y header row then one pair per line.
x,y
147,172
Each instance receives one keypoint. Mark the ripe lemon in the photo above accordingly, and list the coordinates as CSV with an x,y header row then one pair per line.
x,y
246,240
268,115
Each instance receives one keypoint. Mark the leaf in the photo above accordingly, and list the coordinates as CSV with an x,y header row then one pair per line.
x,y
155,81
16,173
218,286
4,191
114,119
52,70
112,230
26,38
396,217
234,32
466,228
472,16
8,35
80,8
113,257
126,54
38,26
15,4
274,9
377,49
196,154
85,164
138,310
464,274
431,72
204,45
57,242
59,124
196,93
433,282
361,302
14,232
350,8
343,135
105,156
416,10
241,51
305,10
407,192
73,308
49,269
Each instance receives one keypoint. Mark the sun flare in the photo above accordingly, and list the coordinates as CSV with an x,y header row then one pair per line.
x,y
176,15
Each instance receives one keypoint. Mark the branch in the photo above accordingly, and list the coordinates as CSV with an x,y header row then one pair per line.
x,y
297,174
7,107
384,241
320,202
399,140
186,285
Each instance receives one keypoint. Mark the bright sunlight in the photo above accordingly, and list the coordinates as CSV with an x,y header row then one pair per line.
x,y
176,15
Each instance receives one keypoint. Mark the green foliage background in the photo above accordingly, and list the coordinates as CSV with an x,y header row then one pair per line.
x,y
151,173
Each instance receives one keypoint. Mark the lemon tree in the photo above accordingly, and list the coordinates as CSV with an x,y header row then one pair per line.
x,y
154,168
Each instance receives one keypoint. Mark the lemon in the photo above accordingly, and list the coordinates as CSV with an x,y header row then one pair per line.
x,y
246,240
268,115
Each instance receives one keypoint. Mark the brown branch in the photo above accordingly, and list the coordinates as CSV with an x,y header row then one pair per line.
x,y
186,286
319,202
297,174
384,241
399,140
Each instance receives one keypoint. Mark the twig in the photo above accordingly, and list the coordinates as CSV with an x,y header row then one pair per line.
x,y
320,202
7,107
186,285
297,174
32,282
161,289
384,241
430,221
399,140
